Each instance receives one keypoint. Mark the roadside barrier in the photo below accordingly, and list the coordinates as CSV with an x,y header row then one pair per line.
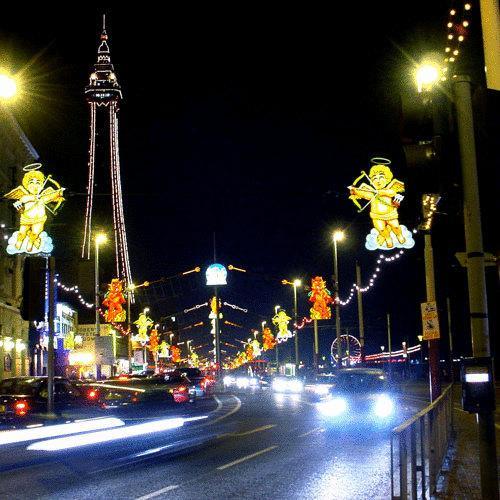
x,y
418,449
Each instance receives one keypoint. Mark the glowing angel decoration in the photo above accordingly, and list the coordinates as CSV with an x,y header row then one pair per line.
x,y
176,354
33,200
281,320
113,300
163,350
321,299
383,195
194,360
144,323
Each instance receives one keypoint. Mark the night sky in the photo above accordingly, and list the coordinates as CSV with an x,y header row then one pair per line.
x,y
250,124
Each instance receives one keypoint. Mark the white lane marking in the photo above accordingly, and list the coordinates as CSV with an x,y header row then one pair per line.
x,y
219,404
246,433
248,457
317,429
158,492
229,413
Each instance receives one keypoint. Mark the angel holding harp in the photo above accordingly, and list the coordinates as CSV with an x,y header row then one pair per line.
x,y
33,199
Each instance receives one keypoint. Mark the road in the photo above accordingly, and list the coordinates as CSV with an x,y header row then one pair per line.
x,y
250,445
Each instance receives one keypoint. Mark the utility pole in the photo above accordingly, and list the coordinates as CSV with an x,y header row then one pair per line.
x,y
296,330
50,351
360,312
433,345
450,338
389,343
316,346
475,275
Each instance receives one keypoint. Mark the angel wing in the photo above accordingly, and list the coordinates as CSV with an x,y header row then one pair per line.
x,y
396,185
16,194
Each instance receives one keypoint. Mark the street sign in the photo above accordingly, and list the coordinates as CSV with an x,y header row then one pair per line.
x,y
104,351
430,321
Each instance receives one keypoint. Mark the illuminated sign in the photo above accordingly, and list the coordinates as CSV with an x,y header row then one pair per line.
x,y
383,194
216,275
33,200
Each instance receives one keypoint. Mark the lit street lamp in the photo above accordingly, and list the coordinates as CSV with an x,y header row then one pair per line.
x,y
337,236
296,284
8,87
100,239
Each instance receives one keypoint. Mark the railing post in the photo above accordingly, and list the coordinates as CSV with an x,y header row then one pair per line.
x,y
403,465
392,466
432,453
422,457
413,458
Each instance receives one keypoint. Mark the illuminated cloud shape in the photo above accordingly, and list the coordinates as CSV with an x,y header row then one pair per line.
x,y
371,240
46,245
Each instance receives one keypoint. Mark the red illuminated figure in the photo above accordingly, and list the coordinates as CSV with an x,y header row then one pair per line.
x,y
321,299
113,300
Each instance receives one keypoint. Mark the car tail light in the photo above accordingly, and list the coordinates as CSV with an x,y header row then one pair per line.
x,y
92,394
21,408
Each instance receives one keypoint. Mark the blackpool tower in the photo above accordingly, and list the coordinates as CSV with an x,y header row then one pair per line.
x,y
103,93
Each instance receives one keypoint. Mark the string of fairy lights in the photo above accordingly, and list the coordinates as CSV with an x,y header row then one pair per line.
x,y
457,25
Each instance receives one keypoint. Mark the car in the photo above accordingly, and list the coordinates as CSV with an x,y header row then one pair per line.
x,y
288,385
318,386
241,380
201,384
21,398
359,395
151,390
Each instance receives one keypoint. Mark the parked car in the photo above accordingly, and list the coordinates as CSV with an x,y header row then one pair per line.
x,y
23,397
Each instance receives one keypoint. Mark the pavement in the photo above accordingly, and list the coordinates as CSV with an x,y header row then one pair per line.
x,y
461,475
250,445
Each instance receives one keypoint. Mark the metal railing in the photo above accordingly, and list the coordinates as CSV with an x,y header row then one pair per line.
x,y
418,449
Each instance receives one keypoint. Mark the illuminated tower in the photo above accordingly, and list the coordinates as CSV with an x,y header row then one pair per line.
x,y
103,93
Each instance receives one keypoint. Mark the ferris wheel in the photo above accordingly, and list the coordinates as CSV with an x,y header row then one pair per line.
x,y
350,348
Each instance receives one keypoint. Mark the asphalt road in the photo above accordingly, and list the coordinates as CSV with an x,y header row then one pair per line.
x,y
250,445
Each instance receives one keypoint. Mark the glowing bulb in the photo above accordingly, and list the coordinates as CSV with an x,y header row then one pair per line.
x,y
453,12
8,87
426,75
338,235
449,25
467,6
465,24
461,38
450,37
100,238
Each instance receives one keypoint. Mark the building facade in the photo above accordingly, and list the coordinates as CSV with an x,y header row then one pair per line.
x,y
15,152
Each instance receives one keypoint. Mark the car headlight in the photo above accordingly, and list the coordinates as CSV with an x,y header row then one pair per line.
x,y
295,386
333,408
384,406
242,382
279,385
321,389
253,382
228,380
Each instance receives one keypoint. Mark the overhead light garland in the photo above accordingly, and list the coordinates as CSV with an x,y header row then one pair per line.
x,y
74,289
457,32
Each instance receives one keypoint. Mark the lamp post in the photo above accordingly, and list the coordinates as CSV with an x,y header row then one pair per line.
x,y
100,239
337,236
276,309
296,284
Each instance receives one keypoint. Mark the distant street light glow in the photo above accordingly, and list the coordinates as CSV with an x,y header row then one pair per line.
x,y
427,75
338,235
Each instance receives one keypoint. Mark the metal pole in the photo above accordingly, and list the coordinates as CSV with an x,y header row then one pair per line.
x,y
360,313
434,378
97,320
316,346
389,343
50,350
217,334
450,338
296,330
475,275
490,25
337,304
129,327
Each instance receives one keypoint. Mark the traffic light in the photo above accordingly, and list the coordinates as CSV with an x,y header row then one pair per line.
x,y
34,288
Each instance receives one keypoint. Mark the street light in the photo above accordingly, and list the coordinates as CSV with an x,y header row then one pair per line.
x,y
8,87
338,235
296,284
100,239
